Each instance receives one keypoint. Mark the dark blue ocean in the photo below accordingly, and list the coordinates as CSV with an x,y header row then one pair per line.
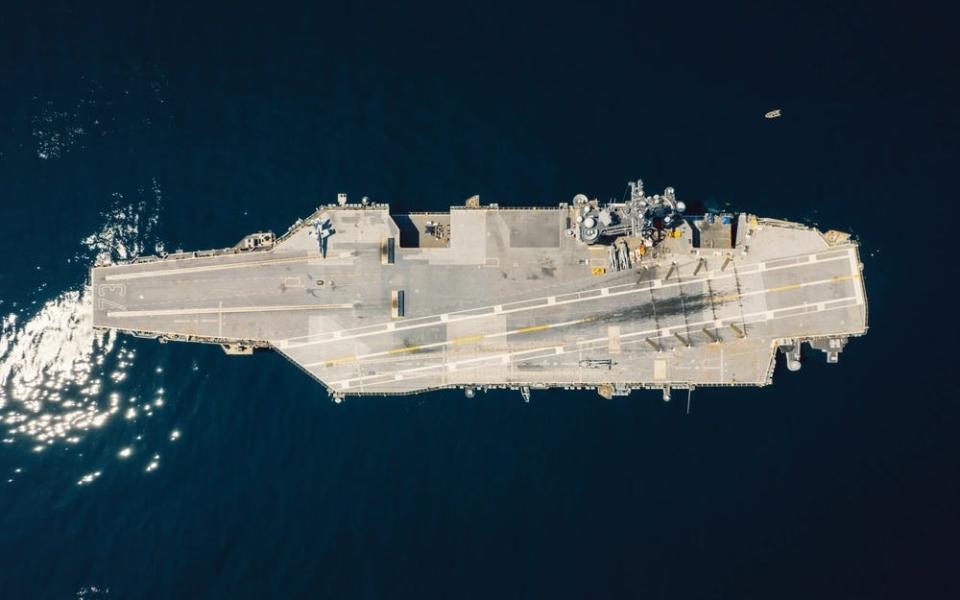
x,y
132,469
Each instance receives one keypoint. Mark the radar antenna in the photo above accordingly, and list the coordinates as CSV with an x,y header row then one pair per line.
x,y
644,217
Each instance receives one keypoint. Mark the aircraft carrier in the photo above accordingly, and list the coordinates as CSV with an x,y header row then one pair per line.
x,y
587,295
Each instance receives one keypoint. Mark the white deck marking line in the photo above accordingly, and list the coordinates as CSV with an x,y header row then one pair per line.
x,y
446,317
118,314
855,273
665,332
200,269
556,349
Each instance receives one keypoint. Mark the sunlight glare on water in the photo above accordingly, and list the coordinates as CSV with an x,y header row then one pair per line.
x,y
53,369
60,380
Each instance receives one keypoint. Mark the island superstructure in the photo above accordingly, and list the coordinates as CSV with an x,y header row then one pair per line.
x,y
608,296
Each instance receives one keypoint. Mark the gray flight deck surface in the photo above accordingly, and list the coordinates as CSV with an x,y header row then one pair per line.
x,y
492,297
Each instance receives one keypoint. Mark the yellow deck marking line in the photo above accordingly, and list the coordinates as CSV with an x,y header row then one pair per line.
x,y
217,310
533,328
451,317
404,349
182,270
469,339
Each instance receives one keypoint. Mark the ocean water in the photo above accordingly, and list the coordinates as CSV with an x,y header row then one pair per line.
x,y
132,469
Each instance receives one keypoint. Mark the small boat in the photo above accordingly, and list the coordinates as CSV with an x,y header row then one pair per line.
x,y
773,114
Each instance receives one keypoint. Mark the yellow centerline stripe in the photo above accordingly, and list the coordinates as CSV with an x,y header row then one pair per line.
x,y
404,349
532,328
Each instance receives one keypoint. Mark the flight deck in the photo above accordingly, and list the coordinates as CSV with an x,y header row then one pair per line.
x,y
612,298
